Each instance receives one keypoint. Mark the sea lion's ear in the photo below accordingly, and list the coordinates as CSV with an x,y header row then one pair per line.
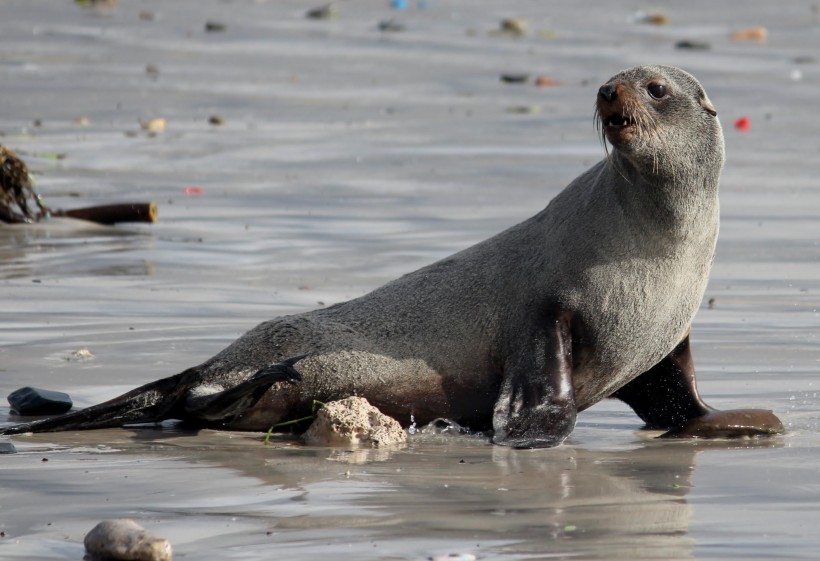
x,y
707,105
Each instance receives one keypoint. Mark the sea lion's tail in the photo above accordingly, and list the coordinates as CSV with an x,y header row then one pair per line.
x,y
167,398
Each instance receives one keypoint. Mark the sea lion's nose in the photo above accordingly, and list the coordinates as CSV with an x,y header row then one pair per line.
x,y
608,92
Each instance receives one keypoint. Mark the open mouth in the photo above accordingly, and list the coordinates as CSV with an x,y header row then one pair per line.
x,y
618,121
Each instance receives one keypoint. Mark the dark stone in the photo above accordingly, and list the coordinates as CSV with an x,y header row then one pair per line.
x,y
7,447
34,401
514,78
693,45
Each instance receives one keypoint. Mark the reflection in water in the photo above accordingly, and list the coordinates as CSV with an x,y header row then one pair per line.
x,y
436,494
63,247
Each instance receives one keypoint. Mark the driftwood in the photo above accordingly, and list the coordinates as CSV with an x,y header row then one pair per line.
x,y
18,200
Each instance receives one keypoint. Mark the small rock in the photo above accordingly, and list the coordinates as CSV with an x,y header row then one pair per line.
x,y
81,121
517,27
546,82
757,34
353,421
35,401
653,18
216,120
390,25
122,539
524,109
323,12
80,355
514,78
154,125
693,45
7,447
215,26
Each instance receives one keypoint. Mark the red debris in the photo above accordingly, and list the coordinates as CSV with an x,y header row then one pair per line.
x,y
743,124
193,190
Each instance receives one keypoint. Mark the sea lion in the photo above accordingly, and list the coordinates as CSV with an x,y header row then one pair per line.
x,y
593,297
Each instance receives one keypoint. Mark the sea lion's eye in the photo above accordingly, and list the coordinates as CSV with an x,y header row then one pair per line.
x,y
658,91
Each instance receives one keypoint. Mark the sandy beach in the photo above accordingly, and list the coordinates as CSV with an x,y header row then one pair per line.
x,y
346,155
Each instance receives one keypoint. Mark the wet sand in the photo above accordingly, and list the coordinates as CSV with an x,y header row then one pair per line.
x,y
349,156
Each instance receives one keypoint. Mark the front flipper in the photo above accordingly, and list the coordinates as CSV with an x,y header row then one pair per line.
x,y
666,396
233,401
536,404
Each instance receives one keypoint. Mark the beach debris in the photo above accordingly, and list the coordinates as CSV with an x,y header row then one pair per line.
x,y
21,204
215,26
323,12
122,539
36,401
81,121
7,447
546,82
743,124
516,27
651,18
353,422
398,4
693,45
756,34
16,189
193,190
153,125
514,78
216,120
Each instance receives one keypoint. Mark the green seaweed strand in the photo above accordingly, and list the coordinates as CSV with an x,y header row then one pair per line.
x,y
315,407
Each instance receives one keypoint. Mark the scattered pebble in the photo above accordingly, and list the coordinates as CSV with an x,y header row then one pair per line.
x,y
215,26
757,34
153,125
804,59
546,82
146,15
123,539
743,124
81,121
524,109
514,78
353,421
652,18
152,70
216,120
693,45
517,27
36,401
390,25
323,12
796,75
711,304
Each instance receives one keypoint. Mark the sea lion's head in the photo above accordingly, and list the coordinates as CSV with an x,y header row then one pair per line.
x,y
659,115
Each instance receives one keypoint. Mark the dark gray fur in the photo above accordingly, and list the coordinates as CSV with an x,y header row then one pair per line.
x,y
623,252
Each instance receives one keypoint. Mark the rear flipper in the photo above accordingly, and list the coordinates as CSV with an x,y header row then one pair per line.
x,y
168,398
149,403
233,401
666,396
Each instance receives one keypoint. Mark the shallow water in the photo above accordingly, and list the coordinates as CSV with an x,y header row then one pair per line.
x,y
350,156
